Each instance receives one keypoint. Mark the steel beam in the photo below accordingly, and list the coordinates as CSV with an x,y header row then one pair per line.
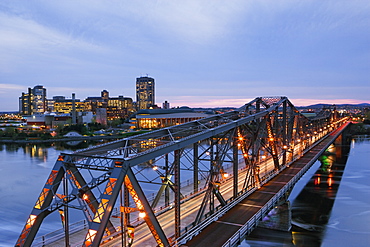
x,y
177,194
235,164
195,167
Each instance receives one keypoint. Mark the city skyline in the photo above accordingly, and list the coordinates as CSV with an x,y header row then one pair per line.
x,y
201,53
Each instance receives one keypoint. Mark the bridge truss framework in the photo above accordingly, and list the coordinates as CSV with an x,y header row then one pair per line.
x,y
97,179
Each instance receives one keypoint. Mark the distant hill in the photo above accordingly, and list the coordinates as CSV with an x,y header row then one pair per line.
x,y
9,112
339,105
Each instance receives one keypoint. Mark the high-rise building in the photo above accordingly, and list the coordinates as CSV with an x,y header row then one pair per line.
x,y
34,101
145,97
25,103
39,99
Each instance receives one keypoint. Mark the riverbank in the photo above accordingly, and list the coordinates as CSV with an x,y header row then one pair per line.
x,y
70,138
66,139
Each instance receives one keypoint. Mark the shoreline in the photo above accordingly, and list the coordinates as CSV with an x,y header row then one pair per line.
x,y
65,139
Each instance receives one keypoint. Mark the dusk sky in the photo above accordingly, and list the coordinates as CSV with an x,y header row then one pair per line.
x,y
200,53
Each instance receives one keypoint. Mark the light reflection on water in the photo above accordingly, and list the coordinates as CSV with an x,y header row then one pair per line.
x,y
337,206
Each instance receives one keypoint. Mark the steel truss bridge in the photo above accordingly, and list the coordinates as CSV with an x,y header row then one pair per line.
x,y
225,156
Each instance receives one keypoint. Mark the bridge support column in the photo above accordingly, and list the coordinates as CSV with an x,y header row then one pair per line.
x,y
279,218
177,193
195,172
235,166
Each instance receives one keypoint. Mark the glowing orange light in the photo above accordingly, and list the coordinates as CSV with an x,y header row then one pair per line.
x,y
330,182
155,168
285,147
142,214
31,220
118,163
263,156
85,197
245,155
271,139
225,175
90,236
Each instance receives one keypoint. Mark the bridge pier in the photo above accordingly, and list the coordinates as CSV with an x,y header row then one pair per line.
x,y
279,218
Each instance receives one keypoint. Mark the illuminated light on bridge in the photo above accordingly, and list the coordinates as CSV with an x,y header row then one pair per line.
x,y
85,197
330,181
90,237
142,214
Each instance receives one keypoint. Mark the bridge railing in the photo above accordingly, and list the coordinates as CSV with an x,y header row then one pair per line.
x,y
54,236
253,222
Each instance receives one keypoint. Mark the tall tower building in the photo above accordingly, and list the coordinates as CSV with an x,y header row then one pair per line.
x,y
34,101
144,92
25,103
39,99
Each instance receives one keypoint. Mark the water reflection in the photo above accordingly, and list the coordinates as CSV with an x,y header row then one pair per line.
x,y
312,207
40,150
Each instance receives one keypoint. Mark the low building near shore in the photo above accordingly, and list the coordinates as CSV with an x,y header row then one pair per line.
x,y
161,118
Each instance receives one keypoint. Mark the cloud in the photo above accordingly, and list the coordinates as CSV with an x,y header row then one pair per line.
x,y
26,42
207,50
8,87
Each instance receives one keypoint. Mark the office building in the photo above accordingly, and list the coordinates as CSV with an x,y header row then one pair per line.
x,y
65,106
34,101
161,118
119,107
145,94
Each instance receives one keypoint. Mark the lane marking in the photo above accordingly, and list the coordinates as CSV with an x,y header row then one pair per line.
x,y
249,205
268,192
229,223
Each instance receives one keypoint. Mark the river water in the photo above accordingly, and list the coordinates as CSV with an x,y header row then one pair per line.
x,y
330,204
24,169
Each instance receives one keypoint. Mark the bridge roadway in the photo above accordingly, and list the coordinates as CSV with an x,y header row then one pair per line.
x,y
224,231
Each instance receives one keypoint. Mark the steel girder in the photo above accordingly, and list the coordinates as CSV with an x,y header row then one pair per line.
x,y
267,128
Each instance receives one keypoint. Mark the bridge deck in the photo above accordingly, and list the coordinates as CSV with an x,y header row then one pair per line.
x,y
220,231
